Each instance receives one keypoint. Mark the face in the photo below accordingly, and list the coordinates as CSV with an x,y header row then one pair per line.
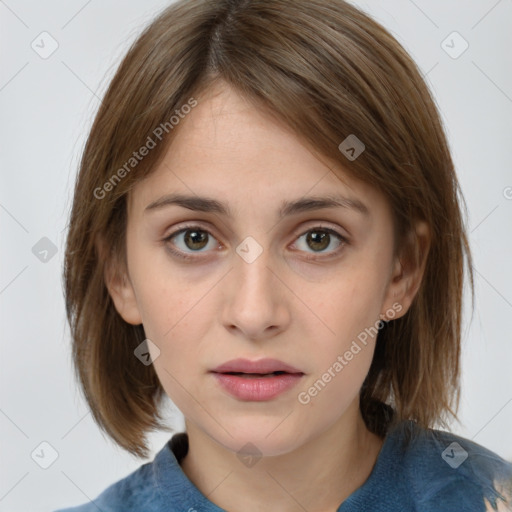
x,y
257,272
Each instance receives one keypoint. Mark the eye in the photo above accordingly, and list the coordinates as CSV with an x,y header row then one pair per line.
x,y
319,239
191,238
194,239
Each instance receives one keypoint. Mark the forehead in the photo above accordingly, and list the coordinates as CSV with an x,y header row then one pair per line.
x,y
228,148
236,136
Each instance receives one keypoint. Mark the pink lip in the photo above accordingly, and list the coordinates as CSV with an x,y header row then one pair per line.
x,y
256,388
260,366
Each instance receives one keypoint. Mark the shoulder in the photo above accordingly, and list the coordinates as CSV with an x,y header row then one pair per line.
x,y
133,492
156,486
449,472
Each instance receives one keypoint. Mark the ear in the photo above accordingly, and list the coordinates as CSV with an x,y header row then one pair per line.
x,y
408,270
120,288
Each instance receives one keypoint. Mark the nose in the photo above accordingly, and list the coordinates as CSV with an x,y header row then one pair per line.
x,y
255,298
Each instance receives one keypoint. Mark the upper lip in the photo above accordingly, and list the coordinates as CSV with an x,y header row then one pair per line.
x,y
262,366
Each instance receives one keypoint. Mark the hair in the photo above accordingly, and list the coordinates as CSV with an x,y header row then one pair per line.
x,y
327,70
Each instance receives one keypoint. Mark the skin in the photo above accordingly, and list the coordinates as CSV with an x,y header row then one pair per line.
x,y
216,307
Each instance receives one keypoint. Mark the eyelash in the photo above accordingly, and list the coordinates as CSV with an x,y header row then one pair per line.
x,y
189,257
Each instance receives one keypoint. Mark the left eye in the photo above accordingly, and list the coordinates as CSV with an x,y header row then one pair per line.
x,y
195,239
319,239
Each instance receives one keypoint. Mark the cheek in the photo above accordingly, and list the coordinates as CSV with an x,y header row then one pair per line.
x,y
181,343
341,359
178,325
352,302
169,296
177,311
349,307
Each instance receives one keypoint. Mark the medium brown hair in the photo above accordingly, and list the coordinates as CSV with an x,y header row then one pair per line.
x,y
328,71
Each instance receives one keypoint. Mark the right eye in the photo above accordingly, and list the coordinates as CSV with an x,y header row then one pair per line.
x,y
189,240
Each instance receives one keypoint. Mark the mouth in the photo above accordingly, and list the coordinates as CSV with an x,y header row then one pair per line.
x,y
257,386
254,369
256,381
256,375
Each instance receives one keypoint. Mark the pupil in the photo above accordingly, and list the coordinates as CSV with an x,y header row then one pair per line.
x,y
318,240
195,239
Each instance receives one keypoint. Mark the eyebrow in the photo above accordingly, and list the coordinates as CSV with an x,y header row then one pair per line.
x,y
305,204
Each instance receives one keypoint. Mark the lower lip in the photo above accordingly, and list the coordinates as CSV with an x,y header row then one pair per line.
x,y
257,389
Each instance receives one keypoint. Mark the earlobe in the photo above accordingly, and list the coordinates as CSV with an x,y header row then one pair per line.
x,y
122,293
409,270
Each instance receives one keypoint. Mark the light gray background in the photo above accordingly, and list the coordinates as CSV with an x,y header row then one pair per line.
x,y
47,106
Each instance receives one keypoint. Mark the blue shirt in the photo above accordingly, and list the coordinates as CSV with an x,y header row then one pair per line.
x,y
416,470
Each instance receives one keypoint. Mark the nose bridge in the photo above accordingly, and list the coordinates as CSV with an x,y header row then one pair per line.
x,y
252,272
255,301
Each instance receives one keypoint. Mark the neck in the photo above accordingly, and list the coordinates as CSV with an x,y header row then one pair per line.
x,y
317,476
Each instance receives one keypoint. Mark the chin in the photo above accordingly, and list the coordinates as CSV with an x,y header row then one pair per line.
x,y
260,438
